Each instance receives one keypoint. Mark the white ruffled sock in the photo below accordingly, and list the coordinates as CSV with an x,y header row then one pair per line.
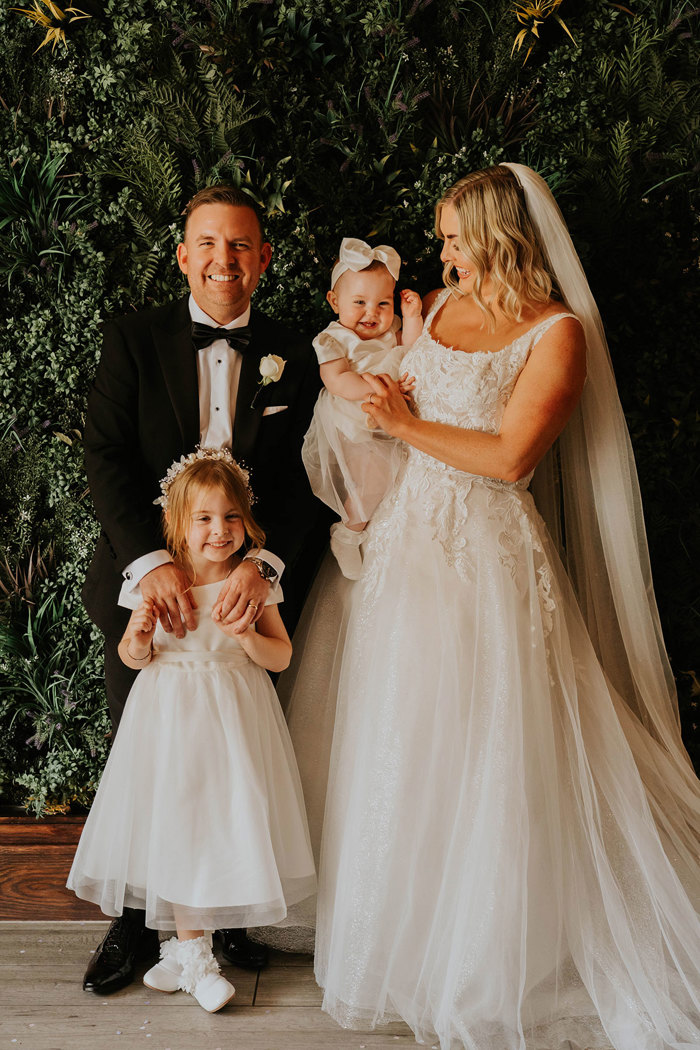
x,y
165,975
201,976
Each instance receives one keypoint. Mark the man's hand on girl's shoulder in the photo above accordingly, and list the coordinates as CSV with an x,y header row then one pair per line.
x,y
242,598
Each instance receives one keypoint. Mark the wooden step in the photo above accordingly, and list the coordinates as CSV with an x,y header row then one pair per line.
x,y
35,858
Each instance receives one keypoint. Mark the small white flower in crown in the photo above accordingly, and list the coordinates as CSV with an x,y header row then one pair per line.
x,y
180,464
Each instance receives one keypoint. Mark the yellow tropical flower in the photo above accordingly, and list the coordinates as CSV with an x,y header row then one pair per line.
x,y
54,20
531,15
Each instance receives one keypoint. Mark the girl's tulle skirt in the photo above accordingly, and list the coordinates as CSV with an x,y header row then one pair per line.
x,y
199,817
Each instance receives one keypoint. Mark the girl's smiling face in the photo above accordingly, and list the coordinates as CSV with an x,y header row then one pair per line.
x,y
215,531
364,301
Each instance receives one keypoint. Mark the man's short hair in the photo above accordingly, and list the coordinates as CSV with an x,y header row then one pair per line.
x,y
224,195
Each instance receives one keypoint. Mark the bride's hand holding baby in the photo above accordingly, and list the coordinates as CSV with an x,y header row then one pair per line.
x,y
386,406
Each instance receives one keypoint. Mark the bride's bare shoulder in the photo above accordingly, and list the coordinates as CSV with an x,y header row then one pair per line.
x,y
549,309
429,300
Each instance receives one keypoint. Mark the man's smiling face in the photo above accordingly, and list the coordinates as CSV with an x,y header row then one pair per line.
x,y
223,255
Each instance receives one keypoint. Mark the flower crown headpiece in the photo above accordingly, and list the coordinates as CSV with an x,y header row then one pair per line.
x,y
183,462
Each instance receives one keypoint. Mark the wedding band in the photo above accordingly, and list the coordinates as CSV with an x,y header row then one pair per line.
x,y
370,399
252,605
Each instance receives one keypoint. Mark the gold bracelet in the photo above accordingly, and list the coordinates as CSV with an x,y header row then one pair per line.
x,y
139,659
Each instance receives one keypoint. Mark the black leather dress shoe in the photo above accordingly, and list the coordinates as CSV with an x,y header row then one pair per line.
x,y
127,942
239,950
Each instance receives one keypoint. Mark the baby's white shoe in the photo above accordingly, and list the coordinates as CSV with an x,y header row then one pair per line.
x,y
345,545
201,976
165,975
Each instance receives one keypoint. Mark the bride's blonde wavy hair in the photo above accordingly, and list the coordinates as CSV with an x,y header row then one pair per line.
x,y
496,234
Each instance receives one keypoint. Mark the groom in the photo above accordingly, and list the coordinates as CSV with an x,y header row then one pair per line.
x,y
168,379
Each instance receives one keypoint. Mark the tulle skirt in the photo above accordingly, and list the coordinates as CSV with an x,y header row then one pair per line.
x,y
199,817
509,860
350,467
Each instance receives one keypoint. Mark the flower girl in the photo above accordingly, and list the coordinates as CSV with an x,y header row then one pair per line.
x,y
199,816
350,466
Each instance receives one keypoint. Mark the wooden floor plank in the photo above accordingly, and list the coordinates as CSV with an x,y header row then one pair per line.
x,y
43,1007
288,986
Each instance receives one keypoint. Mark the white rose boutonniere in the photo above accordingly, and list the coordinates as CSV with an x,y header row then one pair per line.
x,y
271,369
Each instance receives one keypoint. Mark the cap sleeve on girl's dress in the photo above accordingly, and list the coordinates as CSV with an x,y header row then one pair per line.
x,y
275,596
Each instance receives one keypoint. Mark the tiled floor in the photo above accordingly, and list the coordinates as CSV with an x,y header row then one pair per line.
x,y
43,1007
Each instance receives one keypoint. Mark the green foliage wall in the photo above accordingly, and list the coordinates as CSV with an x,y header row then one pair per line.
x,y
340,119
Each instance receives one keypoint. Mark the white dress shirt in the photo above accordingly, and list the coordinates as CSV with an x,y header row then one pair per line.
x,y
218,375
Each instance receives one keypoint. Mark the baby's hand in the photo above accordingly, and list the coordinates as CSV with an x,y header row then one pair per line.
x,y
406,384
143,622
411,304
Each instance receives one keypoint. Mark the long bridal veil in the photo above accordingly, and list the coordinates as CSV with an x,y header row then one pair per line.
x,y
586,489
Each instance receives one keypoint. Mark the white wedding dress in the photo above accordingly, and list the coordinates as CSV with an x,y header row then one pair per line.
x,y
509,858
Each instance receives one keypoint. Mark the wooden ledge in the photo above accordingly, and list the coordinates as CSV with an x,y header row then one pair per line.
x,y
35,858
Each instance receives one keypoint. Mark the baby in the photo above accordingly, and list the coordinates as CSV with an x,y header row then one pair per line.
x,y
351,467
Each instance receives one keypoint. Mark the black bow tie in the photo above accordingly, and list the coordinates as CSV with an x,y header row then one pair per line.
x,y
204,335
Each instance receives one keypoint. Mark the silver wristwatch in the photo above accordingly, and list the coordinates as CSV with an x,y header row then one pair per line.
x,y
266,571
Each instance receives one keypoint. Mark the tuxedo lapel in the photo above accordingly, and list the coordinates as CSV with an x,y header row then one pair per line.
x,y
173,343
247,420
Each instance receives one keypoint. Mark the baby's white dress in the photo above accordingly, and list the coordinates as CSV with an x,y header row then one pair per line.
x,y
351,467
200,806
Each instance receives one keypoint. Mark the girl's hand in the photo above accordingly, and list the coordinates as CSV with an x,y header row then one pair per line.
x,y
411,305
241,599
228,629
143,623
386,406
136,649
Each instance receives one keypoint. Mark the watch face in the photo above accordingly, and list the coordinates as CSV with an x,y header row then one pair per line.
x,y
265,570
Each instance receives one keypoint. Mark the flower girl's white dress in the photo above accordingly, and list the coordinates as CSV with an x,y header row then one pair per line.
x,y
509,859
200,807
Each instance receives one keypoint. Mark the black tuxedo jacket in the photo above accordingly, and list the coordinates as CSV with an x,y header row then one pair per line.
x,y
143,413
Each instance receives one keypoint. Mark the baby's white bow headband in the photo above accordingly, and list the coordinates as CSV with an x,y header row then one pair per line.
x,y
357,255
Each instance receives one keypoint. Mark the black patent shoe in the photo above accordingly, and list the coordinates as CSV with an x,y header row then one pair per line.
x,y
126,942
239,950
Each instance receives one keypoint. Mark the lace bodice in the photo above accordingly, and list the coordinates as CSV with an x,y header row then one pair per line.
x,y
469,390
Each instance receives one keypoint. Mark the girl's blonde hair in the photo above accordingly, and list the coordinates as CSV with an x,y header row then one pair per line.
x,y
189,483
496,234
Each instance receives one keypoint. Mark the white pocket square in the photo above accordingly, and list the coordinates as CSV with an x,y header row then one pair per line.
x,y
271,410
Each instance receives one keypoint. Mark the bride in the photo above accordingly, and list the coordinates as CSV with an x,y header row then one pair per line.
x,y
510,844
